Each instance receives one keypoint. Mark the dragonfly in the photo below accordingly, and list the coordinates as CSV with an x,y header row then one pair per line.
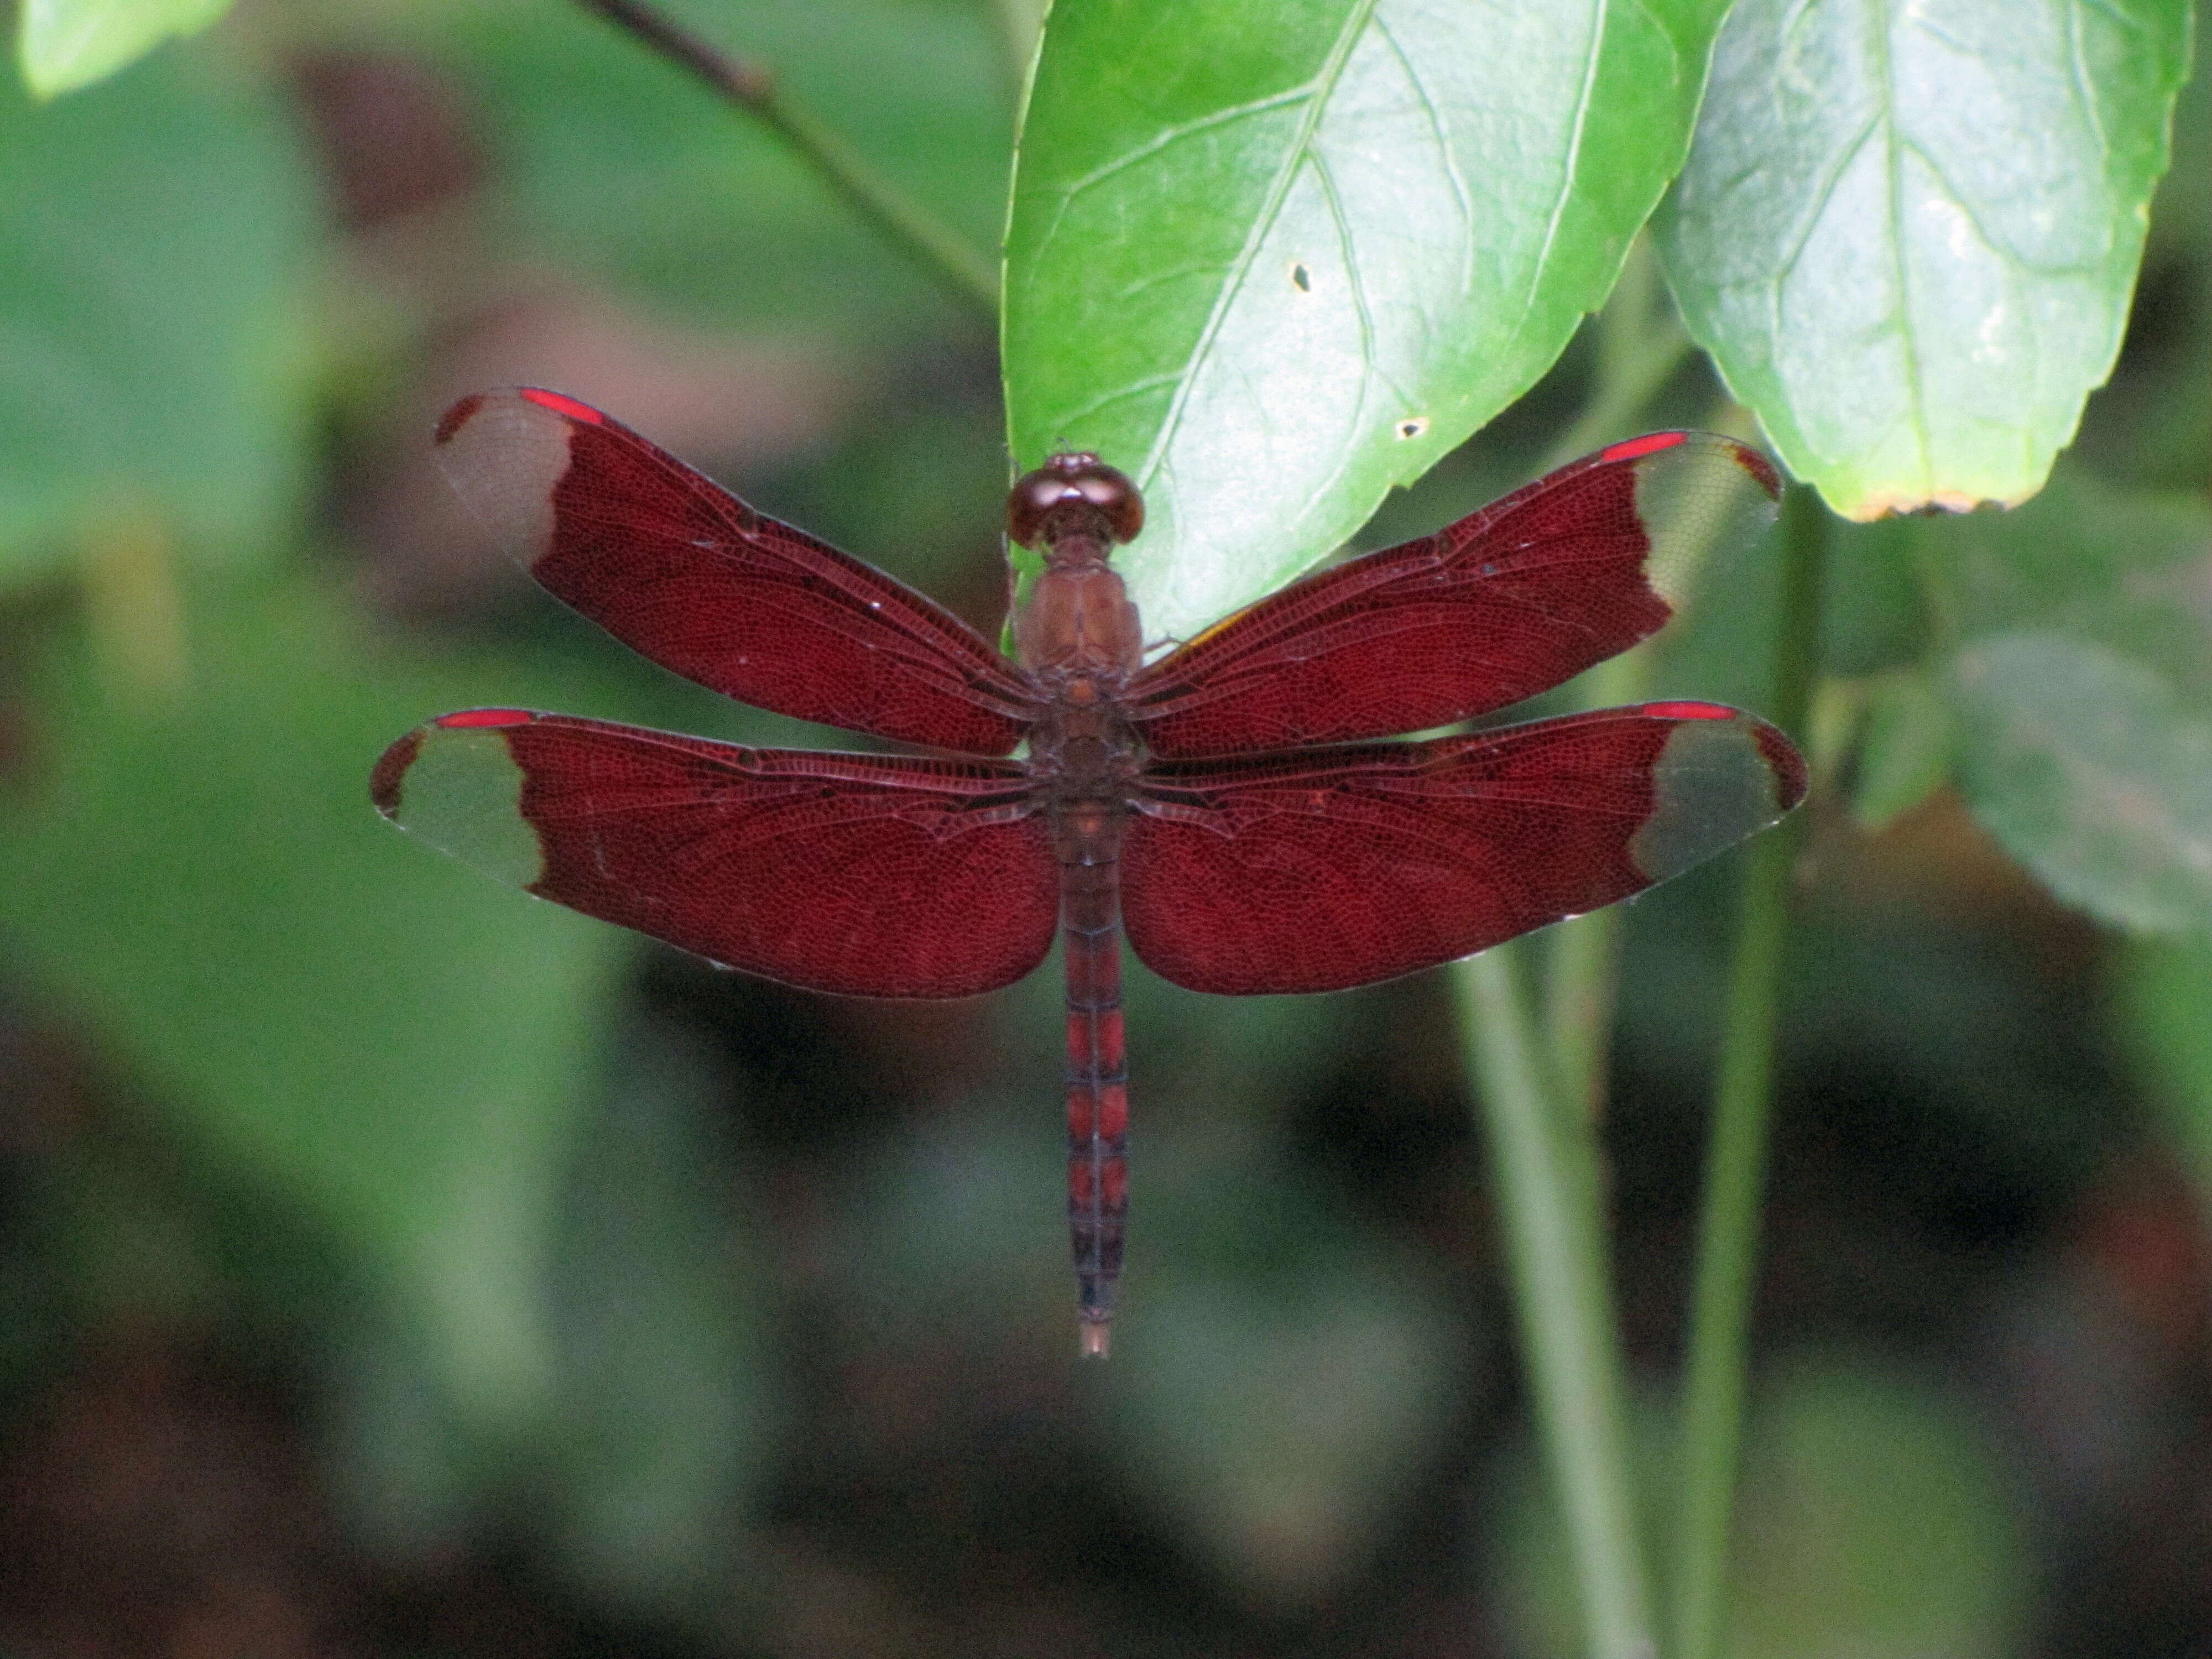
x,y
1244,807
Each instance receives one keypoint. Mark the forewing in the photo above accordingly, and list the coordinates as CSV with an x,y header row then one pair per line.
x,y
1510,601
673,564
874,876
1329,868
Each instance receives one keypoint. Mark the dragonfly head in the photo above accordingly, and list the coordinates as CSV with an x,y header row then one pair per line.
x,y
1074,498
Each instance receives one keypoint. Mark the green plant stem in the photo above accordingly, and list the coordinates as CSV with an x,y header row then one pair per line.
x,y
1542,1106
1735,1157
1549,1187
1640,344
868,192
1582,957
1582,984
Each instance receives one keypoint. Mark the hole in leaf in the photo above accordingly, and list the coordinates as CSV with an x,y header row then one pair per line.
x,y
1414,426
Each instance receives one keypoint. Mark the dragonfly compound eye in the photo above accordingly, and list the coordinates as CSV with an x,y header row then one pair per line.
x,y
1074,481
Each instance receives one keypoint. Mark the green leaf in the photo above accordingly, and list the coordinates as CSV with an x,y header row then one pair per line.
x,y
1905,755
2128,568
155,236
2152,421
1908,234
2085,691
385,1040
62,45
2088,766
1273,261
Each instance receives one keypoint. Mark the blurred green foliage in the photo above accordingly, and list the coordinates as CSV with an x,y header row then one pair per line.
x,y
1878,1519
200,878
613,165
157,239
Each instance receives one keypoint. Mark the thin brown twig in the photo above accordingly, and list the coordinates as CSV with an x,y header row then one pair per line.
x,y
738,79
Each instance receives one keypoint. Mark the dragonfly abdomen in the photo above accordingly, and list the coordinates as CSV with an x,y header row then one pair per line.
x,y
1097,1077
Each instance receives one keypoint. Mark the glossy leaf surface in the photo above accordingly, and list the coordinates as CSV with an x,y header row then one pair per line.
x,y
1272,267
1909,234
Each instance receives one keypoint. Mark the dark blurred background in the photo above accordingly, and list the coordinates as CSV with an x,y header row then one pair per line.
x,y
390,1265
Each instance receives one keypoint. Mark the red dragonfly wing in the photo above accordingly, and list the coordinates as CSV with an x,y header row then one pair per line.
x,y
1506,602
673,564
1318,870
874,876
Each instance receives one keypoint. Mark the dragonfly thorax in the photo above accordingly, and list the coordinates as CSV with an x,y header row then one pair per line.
x,y
1076,628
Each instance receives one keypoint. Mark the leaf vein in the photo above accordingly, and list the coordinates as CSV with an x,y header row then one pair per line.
x,y
1174,134
1367,351
1461,196
1888,118
1591,57
2084,83
1823,190
1106,400
1316,94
